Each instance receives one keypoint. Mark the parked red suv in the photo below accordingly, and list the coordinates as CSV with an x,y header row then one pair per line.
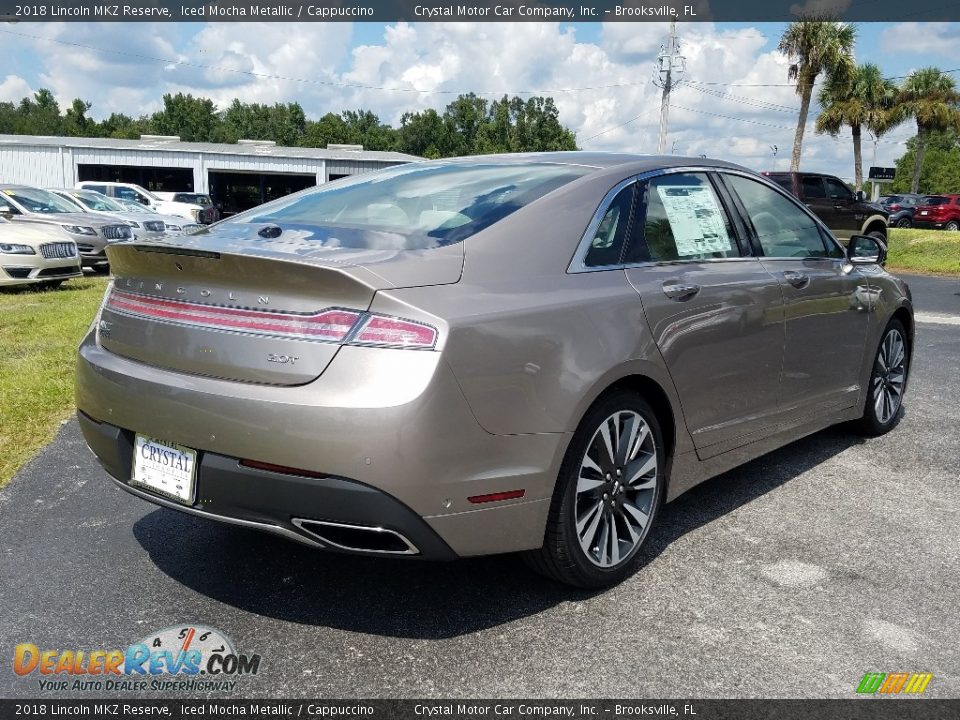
x,y
938,211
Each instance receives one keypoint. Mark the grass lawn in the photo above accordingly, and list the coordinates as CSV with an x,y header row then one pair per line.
x,y
39,334
924,251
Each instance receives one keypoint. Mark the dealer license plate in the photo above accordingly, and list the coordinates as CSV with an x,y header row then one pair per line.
x,y
165,468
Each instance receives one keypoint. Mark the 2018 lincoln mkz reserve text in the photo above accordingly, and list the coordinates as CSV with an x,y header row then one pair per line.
x,y
485,355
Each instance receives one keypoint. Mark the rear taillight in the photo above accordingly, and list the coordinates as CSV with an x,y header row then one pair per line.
x,y
394,332
331,325
893,208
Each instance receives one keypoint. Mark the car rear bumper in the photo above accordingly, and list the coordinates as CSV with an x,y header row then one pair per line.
x,y
388,432
929,224
332,513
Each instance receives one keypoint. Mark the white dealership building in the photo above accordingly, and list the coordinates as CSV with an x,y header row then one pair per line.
x,y
236,176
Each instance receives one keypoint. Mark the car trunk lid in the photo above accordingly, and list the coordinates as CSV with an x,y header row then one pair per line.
x,y
242,309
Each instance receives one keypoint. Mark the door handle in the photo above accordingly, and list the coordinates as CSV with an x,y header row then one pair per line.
x,y
678,290
795,278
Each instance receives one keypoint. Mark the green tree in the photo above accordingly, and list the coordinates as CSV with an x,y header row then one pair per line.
x,y
39,115
929,97
940,169
861,99
426,134
194,119
814,47
76,123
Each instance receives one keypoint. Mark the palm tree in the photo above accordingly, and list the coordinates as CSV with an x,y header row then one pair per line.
x,y
861,99
930,97
815,46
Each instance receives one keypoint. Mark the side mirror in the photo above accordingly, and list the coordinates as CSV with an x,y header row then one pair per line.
x,y
6,210
861,196
866,250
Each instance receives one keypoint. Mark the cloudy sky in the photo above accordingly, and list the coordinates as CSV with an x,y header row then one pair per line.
x,y
734,103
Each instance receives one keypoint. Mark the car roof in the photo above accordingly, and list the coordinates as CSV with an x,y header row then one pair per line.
x,y
628,162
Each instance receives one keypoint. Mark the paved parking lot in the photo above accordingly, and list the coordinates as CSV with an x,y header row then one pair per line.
x,y
789,577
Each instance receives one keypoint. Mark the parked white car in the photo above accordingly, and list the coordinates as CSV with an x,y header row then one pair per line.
x,y
42,255
94,202
175,225
132,191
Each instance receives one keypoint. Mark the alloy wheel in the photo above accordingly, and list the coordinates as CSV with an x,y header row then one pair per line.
x,y
889,376
617,487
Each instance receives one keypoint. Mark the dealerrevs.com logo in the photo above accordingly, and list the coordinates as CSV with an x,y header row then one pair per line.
x,y
180,658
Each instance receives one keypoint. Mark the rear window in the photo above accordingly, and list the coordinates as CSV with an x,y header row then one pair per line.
x,y
935,200
413,206
783,181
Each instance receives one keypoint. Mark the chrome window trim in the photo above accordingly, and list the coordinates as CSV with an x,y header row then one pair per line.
x,y
578,262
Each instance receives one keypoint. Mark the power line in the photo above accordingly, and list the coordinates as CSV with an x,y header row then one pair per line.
x,y
615,127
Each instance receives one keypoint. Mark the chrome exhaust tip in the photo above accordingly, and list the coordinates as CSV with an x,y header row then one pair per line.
x,y
357,538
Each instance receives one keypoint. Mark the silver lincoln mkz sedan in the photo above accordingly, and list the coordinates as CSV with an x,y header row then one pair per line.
x,y
485,355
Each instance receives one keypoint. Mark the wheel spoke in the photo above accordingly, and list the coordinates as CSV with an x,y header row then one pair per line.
x,y
585,484
607,445
627,438
638,468
604,539
587,526
638,515
614,540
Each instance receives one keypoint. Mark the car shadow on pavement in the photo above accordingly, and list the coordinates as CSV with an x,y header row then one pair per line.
x,y
267,575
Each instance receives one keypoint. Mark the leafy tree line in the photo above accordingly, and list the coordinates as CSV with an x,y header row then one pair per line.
x,y
860,98
467,126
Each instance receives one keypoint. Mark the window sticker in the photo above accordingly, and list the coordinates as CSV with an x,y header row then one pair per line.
x,y
695,219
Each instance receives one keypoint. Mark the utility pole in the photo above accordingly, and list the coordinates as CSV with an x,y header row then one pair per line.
x,y
670,68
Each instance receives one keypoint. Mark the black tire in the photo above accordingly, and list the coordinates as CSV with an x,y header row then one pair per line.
x,y
562,558
952,226
103,269
879,235
904,222
873,423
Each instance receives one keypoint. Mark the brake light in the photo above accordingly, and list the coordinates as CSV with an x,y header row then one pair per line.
x,y
382,330
331,325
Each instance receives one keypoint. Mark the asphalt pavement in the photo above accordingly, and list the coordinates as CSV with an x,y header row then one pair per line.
x,y
789,577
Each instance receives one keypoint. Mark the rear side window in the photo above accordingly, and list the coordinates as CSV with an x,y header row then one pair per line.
x,y
415,206
782,228
608,239
680,218
812,187
102,189
837,189
783,181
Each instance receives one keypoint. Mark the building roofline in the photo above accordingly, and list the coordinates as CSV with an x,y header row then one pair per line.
x,y
169,145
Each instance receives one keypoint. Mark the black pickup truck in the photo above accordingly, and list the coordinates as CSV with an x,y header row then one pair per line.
x,y
846,213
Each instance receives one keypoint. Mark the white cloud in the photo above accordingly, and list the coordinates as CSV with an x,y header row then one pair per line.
x,y
598,86
13,88
937,38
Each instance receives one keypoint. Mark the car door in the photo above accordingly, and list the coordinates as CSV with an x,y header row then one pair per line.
x,y
825,300
715,314
814,195
848,214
